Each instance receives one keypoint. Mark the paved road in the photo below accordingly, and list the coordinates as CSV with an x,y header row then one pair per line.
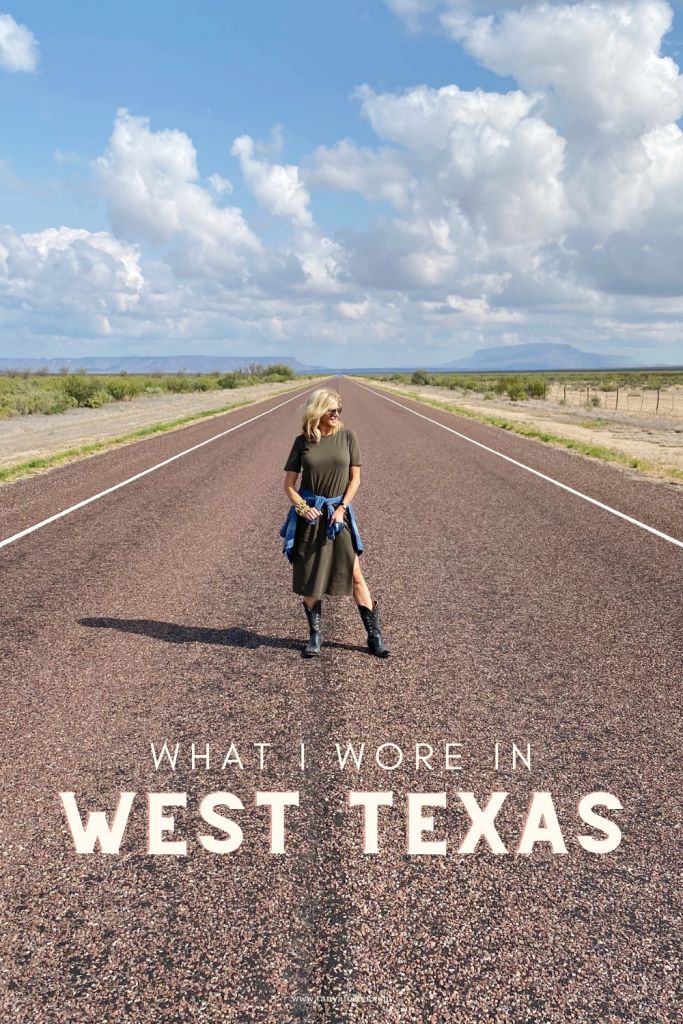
x,y
515,611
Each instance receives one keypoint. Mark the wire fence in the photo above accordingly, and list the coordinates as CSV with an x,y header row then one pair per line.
x,y
645,401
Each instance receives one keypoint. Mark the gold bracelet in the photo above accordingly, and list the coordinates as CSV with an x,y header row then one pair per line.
x,y
301,507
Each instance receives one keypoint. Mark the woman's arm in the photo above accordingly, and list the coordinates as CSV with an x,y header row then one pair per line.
x,y
349,493
295,497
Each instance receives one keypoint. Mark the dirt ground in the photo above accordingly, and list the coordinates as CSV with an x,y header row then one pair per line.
x,y
659,439
27,437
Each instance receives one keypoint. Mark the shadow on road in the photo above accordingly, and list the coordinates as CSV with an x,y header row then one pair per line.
x,y
173,633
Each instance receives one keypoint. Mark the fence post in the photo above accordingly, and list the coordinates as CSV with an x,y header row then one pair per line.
x,y
657,406
616,404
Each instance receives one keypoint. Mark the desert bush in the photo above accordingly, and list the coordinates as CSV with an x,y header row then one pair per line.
x,y
516,391
281,370
60,403
180,383
88,392
254,370
98,398
536,387
81,388
420,377
124,388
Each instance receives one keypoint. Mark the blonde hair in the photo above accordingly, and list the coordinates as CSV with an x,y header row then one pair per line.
x,y
320,402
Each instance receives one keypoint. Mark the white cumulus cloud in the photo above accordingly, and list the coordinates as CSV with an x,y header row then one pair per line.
x,y
220,185
18,46
374,174
150,179
598,64
354,310
484,153
277,186
69,273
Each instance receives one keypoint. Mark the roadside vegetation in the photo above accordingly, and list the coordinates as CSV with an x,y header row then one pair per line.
x,y
519,387
23,392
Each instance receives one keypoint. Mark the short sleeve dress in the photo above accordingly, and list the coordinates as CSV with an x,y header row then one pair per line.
x,y
321,565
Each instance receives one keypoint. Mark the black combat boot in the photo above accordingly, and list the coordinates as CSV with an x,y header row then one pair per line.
x,y
373,625
315,640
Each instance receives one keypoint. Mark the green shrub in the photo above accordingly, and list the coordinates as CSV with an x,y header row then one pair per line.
x,y
81,388
124,387
516,391
178,384
420,377
60,403
281,370
536,387
98,398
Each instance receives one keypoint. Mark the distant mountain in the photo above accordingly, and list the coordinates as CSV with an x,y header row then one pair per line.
x,y
151,364
537,357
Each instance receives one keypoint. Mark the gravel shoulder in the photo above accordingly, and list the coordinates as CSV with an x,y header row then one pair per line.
x,y
656,439
38,436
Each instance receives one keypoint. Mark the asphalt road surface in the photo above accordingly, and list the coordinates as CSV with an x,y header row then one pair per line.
x,y
516,612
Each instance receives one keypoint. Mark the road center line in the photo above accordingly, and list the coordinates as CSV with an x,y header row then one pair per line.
x,y
138,476
522,465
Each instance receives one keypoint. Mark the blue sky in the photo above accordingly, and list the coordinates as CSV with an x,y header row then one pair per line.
x,y
415,179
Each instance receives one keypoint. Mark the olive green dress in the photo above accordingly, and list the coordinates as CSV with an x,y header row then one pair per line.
x,y
323,566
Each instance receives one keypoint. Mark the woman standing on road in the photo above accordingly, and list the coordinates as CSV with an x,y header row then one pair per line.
x,y
322,540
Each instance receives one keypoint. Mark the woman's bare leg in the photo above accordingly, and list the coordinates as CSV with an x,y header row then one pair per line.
x,y
310,602
361,594
369,613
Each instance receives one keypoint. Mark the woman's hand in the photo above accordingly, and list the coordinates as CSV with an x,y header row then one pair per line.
x,y
311,513
338,515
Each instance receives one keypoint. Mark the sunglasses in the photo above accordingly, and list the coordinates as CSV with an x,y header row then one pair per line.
x,y
334,412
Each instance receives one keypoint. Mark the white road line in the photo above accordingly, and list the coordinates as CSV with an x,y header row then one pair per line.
x,y
521,465
138,476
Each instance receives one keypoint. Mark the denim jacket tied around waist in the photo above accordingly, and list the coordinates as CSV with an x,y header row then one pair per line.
x,y
288,529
